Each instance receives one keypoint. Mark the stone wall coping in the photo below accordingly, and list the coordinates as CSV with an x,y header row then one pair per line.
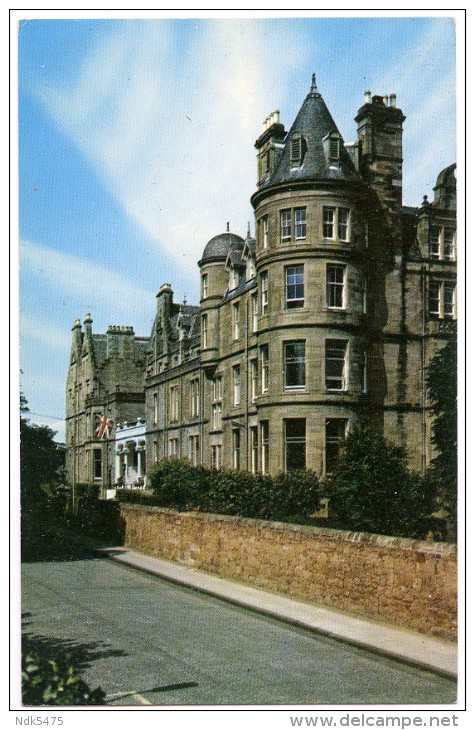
x,y
383,541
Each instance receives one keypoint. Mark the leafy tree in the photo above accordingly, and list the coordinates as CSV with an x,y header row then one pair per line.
x,y
55,681
372,489
442,391
40,457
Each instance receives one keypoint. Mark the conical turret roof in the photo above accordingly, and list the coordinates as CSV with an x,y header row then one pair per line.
x,y
314,123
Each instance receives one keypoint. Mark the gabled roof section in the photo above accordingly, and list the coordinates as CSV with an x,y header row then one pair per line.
x,y
185,317
234,259
315,125
249,249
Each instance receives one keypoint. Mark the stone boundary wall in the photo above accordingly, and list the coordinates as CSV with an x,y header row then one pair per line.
x,y
410,583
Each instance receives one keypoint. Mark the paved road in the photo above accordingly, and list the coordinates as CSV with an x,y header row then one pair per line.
x,y
147,641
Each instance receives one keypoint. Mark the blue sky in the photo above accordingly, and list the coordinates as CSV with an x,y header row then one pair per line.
x,y
136,147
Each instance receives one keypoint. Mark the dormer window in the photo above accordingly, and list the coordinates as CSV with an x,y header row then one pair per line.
x,y
332,147
233,279
250,269
297,150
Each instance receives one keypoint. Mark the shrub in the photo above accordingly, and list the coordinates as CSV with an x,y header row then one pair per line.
x,y
372,489
100,519
84,489
178,484
235,493
136,496
442,392
48,681
295,494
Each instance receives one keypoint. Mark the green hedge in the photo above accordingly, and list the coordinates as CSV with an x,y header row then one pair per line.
x,y
136,496
179,485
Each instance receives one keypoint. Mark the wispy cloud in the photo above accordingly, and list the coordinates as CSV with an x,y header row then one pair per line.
x,y
430,137
425,84
96,286
172,137
36,329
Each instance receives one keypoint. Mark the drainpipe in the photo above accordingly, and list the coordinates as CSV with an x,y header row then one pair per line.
x,y
180,427
246,360
423,371
201,414
74,470
165,422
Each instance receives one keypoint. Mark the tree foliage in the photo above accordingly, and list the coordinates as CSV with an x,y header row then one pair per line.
x,y
40,457
55,681
372,490
442,392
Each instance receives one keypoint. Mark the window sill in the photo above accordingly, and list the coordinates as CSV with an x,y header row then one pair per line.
x,y
293,241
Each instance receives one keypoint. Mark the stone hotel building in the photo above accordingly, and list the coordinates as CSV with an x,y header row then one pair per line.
x,y
329,315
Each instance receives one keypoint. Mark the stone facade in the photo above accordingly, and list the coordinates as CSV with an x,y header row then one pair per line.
x,y
329,315
409,583
106,378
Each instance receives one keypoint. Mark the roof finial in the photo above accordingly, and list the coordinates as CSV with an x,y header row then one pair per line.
x,y
314,84
249,229
227,227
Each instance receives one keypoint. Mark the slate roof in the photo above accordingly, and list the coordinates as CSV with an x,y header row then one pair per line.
x,y
249,245
314,122
234,257
447,177
241,287
219,246
445,191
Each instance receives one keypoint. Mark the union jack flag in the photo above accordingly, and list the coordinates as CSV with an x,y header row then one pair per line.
x,y
103,426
